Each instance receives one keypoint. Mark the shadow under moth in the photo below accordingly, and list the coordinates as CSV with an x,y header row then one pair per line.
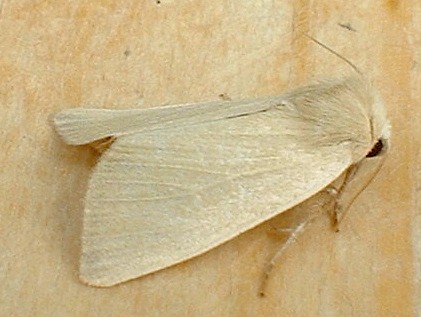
x,y
180,180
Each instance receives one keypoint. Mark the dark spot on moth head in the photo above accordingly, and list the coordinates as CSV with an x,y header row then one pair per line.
x,y
377,149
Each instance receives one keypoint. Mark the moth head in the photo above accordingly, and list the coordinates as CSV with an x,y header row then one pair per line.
x,y
380,129
368,124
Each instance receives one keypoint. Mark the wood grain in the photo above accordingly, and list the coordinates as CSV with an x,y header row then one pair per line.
x,y
130,54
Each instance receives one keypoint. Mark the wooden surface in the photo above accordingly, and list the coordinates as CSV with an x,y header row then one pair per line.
x,y
130,54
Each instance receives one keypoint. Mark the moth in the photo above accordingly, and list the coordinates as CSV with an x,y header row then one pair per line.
x,y
180,180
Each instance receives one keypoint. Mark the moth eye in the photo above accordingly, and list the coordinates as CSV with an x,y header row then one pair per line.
x,y
377,149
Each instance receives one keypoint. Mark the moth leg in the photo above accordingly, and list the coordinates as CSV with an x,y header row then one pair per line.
x,y
339,211
333,193
293,236
281,232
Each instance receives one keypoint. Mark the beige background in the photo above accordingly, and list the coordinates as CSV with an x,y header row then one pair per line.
x,y
128,54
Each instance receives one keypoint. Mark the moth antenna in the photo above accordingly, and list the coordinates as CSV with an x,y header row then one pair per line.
x,y
355,68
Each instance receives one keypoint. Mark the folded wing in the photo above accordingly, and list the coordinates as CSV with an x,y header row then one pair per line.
x,y
165,194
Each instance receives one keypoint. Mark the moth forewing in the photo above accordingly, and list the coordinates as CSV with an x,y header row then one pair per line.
x,y
81,126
